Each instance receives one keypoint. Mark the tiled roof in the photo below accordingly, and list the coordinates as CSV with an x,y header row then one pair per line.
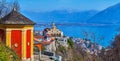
x,y
41,42
39,37
15,17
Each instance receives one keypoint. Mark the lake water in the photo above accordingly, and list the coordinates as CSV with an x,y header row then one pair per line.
x,y
103,35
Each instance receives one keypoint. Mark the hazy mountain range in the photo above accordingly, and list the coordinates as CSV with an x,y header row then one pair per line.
x,y
111,15
60,16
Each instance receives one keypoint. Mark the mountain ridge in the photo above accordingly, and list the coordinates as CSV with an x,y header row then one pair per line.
x,y
60,16
109,15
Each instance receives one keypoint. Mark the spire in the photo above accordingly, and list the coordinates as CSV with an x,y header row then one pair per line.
x,y
53,25
14,9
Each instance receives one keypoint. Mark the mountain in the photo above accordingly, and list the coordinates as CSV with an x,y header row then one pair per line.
x,y
60,16
111,15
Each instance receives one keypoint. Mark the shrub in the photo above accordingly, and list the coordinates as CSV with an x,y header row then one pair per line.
x,y
7,54
62,49
70,43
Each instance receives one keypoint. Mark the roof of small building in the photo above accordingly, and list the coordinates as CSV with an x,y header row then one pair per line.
x,y
39,37
16,18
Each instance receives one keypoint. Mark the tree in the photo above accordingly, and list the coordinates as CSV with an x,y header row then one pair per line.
x,y
16,5
116,48
2,6
113,52
85,34
6,7
71,43
89,35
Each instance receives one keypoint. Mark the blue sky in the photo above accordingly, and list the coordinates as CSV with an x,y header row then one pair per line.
x,y
73,5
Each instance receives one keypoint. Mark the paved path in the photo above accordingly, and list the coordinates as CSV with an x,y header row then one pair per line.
x,y
43,58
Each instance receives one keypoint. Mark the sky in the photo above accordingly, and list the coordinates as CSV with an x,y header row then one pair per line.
x,y
71,5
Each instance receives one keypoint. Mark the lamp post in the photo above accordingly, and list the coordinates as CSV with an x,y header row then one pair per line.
x,y
39,54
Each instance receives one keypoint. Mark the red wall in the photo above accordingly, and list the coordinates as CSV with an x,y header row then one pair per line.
x,y
28,47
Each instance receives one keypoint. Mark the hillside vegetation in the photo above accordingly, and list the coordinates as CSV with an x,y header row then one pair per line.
x,y
71,53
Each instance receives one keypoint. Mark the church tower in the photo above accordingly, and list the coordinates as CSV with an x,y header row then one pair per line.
x,y
55,32
53,25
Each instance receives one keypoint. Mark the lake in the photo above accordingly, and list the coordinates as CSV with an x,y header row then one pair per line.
x,y
102,35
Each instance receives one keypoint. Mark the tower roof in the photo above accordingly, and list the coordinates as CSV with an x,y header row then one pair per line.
x,y
16,18
53,25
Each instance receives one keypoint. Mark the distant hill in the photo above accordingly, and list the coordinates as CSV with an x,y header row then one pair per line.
x,y
60,16
110,15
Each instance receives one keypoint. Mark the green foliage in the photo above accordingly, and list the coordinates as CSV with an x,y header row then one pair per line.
x,y
70,43
7,54
36,49
62,49
43,48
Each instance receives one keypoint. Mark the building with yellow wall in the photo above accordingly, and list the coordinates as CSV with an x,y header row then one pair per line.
x,y
16,32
